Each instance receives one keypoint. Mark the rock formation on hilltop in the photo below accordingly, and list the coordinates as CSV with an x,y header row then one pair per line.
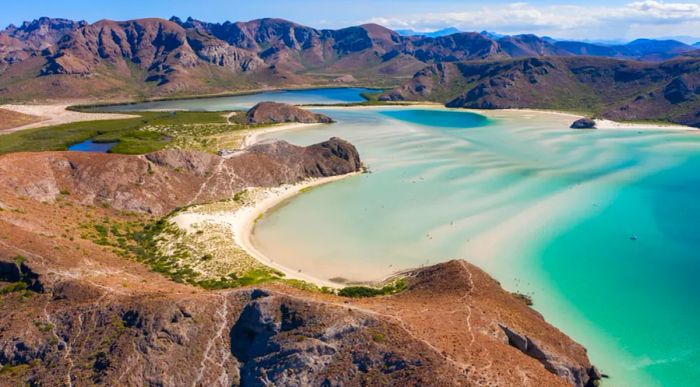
x,y
33,39
276,113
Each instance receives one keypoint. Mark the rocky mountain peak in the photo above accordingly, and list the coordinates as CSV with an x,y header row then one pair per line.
x,y
176,56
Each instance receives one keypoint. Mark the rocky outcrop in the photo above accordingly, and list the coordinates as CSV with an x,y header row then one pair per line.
x,y
574,373
32,39
583,123
682,89
86,333
160,181
287,342
18,271
276,113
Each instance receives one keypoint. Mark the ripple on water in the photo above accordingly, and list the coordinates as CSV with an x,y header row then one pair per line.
x,y
544,209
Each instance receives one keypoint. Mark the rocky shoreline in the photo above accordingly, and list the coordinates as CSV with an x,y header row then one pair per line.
x,y
99,317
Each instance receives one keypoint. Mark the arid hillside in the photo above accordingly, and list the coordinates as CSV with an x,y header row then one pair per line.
x,y
10,119
58,59
80,311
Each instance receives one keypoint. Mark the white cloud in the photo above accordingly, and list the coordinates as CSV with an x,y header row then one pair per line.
x,y
565,21
665,10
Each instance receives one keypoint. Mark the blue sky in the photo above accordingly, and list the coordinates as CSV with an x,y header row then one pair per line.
x,y
594,19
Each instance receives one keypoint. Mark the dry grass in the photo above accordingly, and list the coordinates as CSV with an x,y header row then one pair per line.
x,y
10,119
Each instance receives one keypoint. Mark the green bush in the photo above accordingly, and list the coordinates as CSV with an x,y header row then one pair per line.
x,y
14,287
366,291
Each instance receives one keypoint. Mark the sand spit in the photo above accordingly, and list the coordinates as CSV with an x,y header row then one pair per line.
x,y
57,114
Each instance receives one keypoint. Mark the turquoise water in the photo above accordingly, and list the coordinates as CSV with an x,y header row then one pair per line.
x,y
91,146
244,102
600,227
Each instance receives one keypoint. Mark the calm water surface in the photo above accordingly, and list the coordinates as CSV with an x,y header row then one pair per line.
x,y
600,227
91,146
244,102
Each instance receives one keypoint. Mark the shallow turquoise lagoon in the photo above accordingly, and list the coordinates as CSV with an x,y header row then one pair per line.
x,y
600,227
243,102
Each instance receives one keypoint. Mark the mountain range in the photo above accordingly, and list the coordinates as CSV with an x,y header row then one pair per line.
x,y
430,34
57,58
609,88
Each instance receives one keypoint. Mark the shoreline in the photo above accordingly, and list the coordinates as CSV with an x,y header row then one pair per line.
x,y
600,123
246,218
121,102
51,114
251,136
242,221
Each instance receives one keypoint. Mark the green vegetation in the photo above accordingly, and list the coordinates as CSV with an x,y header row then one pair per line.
x,y
15,287
180,261
43,327
14,370
205,257
253,277
524,298
21,286
378,337
148,132
366,291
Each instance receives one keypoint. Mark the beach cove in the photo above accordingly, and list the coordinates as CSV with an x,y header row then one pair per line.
x,y
573,219
597,226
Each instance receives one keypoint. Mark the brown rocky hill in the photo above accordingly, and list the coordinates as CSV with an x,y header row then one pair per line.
x,y
56,58
17,44
614,89
275,112
88,316
158,182
161,57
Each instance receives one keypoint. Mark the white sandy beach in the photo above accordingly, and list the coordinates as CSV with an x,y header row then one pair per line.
x,y
242,223
57,114
252,135
600,123
608,124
